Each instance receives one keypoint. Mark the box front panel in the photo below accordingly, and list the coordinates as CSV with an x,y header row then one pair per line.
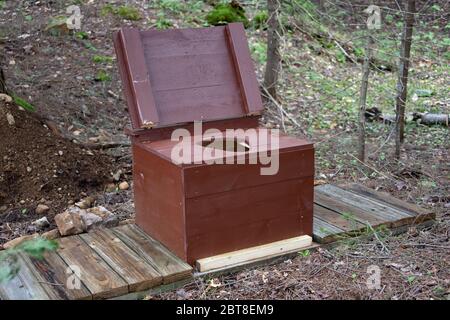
x,y
242,214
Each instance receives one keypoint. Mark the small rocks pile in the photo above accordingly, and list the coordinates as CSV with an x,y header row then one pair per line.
x,y
82,218
78,218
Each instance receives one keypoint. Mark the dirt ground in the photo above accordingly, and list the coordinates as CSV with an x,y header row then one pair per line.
x,y
61,75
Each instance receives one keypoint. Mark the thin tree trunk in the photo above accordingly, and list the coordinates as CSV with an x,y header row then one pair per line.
x,y
273,53
2,82
402,83
362,101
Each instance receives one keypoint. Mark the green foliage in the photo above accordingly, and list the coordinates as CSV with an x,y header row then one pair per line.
x,y
23,103
260,20
102,76
81,35
171,5
125,12
9,266
2,4
259,51
227,13
304,253
102,59
162,22
340,57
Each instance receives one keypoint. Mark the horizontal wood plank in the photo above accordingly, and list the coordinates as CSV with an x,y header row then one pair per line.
x,y
250,254
391,215
324,232
388,200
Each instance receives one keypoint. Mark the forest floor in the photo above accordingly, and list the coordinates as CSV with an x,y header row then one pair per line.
x,y
71,78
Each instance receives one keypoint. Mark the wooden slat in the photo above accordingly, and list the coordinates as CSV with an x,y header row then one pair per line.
x,y
166,263
244,68
251,254
138,76
51,272
386,199
336,219
325,232
342,208
24,286
136,271
96,274
393,216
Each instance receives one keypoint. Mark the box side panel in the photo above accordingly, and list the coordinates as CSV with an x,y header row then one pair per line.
x,y
159,200
204,180
254,214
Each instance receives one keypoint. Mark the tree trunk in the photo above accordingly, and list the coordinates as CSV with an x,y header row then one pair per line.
x,y
402,83
2,82
273,53
362,101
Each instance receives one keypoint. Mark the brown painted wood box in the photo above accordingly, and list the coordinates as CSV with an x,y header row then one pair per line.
x,y
175,78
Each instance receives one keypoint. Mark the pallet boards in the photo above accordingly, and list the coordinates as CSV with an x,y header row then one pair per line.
x,y
96,265
350,209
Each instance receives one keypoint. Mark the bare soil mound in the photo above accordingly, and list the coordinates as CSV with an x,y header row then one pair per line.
x,y
37,165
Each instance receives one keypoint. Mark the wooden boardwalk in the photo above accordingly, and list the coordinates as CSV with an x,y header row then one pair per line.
x,y
106,263
350,210
123,260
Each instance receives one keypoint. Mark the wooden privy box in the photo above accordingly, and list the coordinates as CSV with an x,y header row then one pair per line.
x,y
174,79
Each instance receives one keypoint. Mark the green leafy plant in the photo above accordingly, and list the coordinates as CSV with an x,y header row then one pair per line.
x,y
259,51
23,103
226,13
102,59
260,20
125,12
162,22
36,248
102,76
81,35
305,253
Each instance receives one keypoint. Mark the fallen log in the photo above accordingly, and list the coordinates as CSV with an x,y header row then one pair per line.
x,y
425,118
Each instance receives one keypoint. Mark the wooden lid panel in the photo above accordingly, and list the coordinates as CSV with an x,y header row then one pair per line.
x,y
184,75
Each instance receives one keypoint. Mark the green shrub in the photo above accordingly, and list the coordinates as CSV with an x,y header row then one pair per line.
x,y
125,12
260,20
227,13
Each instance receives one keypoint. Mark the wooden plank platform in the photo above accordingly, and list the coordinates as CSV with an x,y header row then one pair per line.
x,y
102,264
124,261
351,209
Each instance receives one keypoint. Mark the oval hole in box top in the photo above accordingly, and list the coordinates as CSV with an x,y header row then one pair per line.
x,y
226,144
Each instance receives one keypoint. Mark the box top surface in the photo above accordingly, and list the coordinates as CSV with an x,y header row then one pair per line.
x,y
177,76
286,143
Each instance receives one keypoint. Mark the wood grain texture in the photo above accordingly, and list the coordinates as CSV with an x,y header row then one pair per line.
x,y
133,269
24,286
386,199
325,232
245,69
159,199
166,263
346,223
250,254
100,279
53,275
394,217
131,58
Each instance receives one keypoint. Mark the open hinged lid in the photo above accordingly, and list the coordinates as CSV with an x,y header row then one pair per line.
x,y
178,76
